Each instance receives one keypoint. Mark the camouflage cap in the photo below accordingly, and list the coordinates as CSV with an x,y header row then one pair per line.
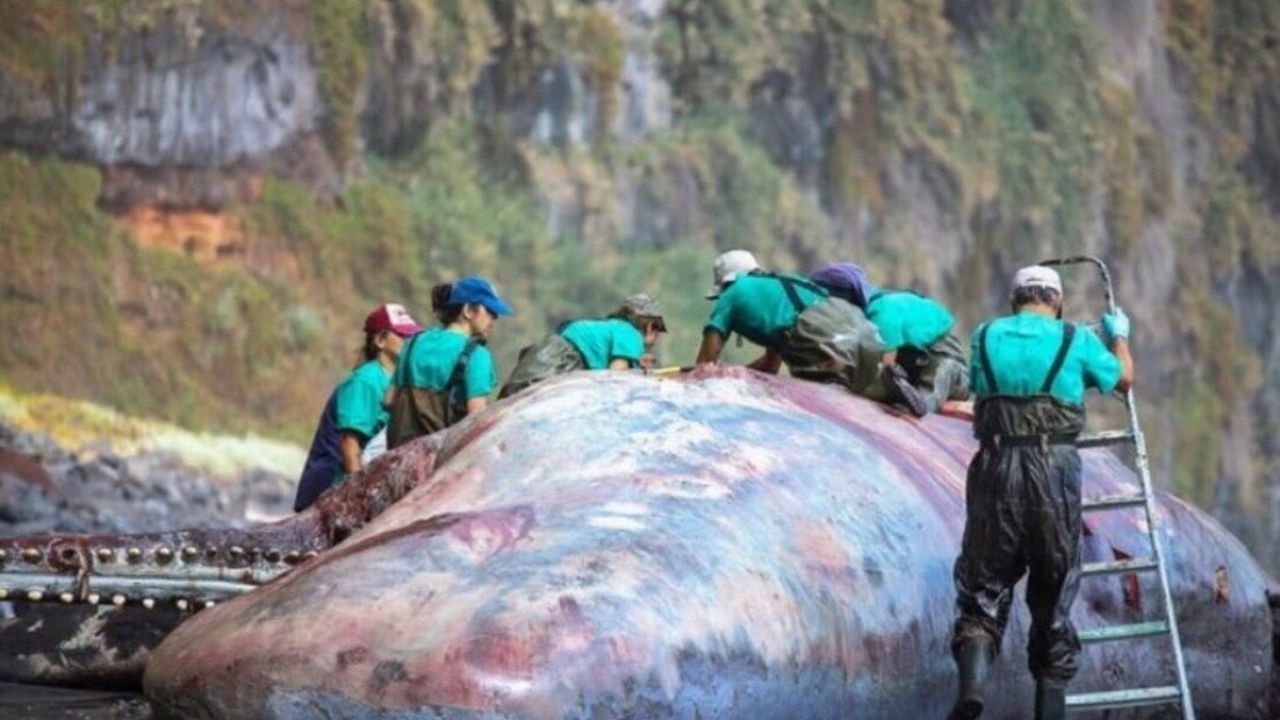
x,y
641,305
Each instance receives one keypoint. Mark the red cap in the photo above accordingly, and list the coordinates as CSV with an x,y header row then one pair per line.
x,y
391,317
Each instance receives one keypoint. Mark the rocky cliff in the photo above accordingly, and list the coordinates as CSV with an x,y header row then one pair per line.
x,y
202,196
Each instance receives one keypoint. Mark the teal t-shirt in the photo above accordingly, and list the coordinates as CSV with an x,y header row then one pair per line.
x,y
1022,348
359,401
429,359
602,341
757,308
908,319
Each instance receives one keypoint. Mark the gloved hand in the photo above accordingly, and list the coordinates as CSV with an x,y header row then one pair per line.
x,y
1116,325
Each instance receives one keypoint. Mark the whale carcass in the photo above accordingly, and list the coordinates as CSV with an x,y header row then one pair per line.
x,y
722,545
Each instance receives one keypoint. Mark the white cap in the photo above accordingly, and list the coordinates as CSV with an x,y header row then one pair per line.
x,y
728,267
1037,276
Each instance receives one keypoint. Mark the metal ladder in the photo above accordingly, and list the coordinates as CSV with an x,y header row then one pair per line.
x,y
1179,693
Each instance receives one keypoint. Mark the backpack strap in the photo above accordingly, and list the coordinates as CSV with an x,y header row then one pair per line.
x,y
1068,333
459,374
789,285
987,372
792,294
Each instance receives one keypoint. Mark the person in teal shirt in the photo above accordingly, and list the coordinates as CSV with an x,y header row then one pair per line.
x,y
1022,495
908,319
618,342
915,331
1009,358
353,413
819,337
446,373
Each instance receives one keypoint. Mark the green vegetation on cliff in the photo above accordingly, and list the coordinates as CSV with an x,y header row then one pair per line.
x,y
338,44
256,345
93,314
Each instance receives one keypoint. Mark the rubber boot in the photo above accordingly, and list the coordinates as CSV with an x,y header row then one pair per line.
x,y
974,659
902,391
1051,701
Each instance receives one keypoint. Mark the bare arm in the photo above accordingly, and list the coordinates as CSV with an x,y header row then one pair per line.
x,y
389,397
350,447
712,345
475,405
889,358
619,364
1120,347
770,362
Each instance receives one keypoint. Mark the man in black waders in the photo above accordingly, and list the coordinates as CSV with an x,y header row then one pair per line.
x,y
1022,497
820,338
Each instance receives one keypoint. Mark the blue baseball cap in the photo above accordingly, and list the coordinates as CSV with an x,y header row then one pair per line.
x,y
478,290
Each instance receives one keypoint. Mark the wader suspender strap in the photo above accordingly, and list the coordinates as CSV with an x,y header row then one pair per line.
x,y
987,372
459,373
1043,440
1068,332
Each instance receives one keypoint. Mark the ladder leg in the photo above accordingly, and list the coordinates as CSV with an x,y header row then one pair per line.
x,y
1157,552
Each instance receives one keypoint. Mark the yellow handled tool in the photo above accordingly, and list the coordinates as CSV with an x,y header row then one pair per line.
x,y
667,371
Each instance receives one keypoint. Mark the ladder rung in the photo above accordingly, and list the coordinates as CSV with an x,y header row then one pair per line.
x,y
1108,437
1113,699
1124,632
1114,502
1118,566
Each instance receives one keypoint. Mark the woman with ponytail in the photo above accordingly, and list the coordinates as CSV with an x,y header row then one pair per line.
x,y
446,373
353,414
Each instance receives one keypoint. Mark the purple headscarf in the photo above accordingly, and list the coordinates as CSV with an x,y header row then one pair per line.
x,y
845,280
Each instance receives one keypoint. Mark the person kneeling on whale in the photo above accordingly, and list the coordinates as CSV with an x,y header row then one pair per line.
x,y
820,338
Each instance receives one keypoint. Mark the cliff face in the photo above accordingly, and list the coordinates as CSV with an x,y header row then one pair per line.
x,y
269,169
176,106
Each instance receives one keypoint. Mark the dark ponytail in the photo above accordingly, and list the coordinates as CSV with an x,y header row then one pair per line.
x,y
370,349
440,304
